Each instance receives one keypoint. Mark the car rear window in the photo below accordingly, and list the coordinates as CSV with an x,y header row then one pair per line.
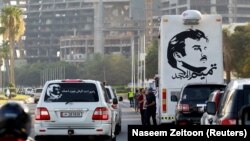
x,y
39,90
200,92
71,92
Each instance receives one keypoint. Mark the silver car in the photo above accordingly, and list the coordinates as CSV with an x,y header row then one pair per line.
x,y
37,93
113,97
74,107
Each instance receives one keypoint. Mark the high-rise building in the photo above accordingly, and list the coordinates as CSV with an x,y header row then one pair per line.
x,y
74,30
232,11
49,20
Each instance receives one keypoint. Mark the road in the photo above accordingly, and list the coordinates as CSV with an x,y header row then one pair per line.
x,y
129,117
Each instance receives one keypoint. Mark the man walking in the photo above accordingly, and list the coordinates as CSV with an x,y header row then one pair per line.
x,y
131,98
151,107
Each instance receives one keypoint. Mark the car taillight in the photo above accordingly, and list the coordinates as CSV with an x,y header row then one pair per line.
x,y
183,107
42,114
227,121
101,113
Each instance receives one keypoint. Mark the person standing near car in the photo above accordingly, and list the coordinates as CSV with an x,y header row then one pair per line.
x,y
142,104
131,98
15,122
151,107
137,94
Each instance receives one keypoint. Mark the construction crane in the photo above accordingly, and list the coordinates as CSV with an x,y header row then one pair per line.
x,y
149,22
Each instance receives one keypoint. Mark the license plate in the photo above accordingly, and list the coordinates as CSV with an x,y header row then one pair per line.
x,y
71,114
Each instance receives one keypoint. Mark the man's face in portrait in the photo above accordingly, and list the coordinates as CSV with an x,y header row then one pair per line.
x,y
195,53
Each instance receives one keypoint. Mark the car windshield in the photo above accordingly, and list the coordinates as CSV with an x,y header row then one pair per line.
x,y
71,92
200,92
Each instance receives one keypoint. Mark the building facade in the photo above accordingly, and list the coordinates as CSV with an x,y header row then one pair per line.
x,y
232,11
49,20
73,30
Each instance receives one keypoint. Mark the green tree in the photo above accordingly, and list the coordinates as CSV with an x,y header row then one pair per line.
x,y
13,27
227,54
240,42
33,74
152,60
93,68
114,69
117,69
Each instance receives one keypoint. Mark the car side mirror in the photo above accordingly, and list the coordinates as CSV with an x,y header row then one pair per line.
x,y
120,98
211,108
115,101
205,107
174,98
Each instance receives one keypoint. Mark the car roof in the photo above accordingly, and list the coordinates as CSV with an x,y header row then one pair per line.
x,y
73,80
238,83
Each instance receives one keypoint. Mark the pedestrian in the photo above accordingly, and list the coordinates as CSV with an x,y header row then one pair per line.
x,y
136,100
8,93
151,107
15,122
131,98
142,103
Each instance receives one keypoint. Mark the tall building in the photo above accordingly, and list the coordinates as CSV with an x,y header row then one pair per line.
x,y
111,33
49,20
74,30
232,11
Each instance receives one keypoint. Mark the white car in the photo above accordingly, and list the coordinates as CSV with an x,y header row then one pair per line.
x,y
37,93
113,97
28,91
74,107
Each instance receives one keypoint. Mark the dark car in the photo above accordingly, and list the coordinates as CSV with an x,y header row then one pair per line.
x,y
190,106
234,100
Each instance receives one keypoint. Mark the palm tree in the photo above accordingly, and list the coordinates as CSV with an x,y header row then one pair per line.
x,y
4,51
13,27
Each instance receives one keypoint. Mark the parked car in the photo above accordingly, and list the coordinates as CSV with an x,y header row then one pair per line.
x,y
28,91
190,106
207,119
37,93
74,107
113,97
235,98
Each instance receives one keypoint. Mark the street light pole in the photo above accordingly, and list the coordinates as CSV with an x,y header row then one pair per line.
x,y
132,63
